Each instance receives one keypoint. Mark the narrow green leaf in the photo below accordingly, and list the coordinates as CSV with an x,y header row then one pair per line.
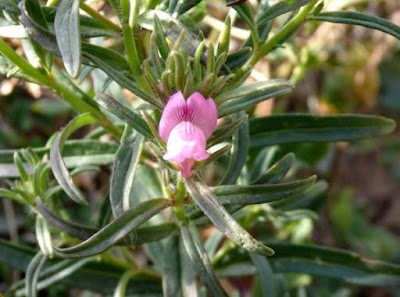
x,y
316,260
302,200
66,27
101,277
110,58
160,38
116,230
334,263
224,37
155,232
171,269
30,156
245,97
245,11
291,128
21,168
124,169
4,193
125,114
188,277
238,58
199,258
277,171
11,8
213,242
38,29
81,147
57,164
124,81
48,40
279,9
262,162
72,229
256,194
225,132
237,79
43,236
265,275
239,151
188,5
32,274
82,232
53,274
120,290
358,18
210,205
172,29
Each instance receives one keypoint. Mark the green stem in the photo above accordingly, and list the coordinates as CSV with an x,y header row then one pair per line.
x,y
94,14
59,85
64,88
22,64
129,40
281,33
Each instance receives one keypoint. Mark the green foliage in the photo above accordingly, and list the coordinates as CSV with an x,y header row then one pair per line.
x,y
263,207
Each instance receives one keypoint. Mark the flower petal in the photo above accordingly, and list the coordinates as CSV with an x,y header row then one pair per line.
x,y
186,141
171,115
187,167
203,113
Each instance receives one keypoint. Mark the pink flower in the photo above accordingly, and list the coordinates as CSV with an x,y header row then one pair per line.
x,y
185,126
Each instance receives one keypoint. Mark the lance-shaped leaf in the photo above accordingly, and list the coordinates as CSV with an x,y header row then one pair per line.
x,y
66,26
291,128
120,290
57,163
239,151
82,232
210,205
47,39
172,29
279,9
81,147
358,18
32,274
320,261
335,263
88,26
43,236
37,28
125,114
226,131
188,277
246,13
91,277
116,230
277,171
238,58
199,258
301,200
52,274
124,169
11,8
256,194
122,80
265,275
72,229
172,268
244,97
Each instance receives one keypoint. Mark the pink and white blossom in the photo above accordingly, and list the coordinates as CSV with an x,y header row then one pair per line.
x,y
185,126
